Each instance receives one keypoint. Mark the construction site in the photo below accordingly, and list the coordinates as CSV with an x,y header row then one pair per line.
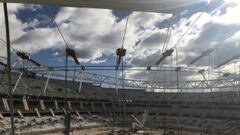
x,y
197,96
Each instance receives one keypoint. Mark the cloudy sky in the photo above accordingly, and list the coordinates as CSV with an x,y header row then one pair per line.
x,y
96,34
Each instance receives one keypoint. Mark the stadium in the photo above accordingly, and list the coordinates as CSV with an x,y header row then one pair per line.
x,y
173,71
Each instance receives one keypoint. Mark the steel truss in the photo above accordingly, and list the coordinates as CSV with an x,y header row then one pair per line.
x,y
77,74
108,81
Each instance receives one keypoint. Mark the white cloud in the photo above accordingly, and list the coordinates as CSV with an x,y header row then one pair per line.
x,y
230,17
211,31
37,39
95,32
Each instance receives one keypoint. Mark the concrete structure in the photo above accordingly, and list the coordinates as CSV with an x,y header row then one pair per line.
x,y
216,112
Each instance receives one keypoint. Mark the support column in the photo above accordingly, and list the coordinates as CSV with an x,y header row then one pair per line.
x,y
93,106
56,105
42,104
37,112
52,112
25,104
1,116
104,109
114,109
9,66
5,104
81,106
69,105
124,109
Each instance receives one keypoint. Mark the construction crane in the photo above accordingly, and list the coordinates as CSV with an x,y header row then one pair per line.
x,y
203,54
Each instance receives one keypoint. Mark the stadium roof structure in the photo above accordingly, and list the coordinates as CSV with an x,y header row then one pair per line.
x,y
159,6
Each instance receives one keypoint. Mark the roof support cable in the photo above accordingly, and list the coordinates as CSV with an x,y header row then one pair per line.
x,y
65,81
26,96
186,32
121,52
55,23
219,60
209,66
69,52
235,73
74,73
122,74
164,53
171,75
238,77
208,52
116,87
190,27
168,36
23,55
178,69
125,30
164,85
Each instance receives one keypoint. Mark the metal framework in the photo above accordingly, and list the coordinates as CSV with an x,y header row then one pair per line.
x,y
160,6
184,85
113,82
109,81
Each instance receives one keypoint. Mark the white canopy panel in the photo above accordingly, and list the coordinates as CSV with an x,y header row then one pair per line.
x,y
160,6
